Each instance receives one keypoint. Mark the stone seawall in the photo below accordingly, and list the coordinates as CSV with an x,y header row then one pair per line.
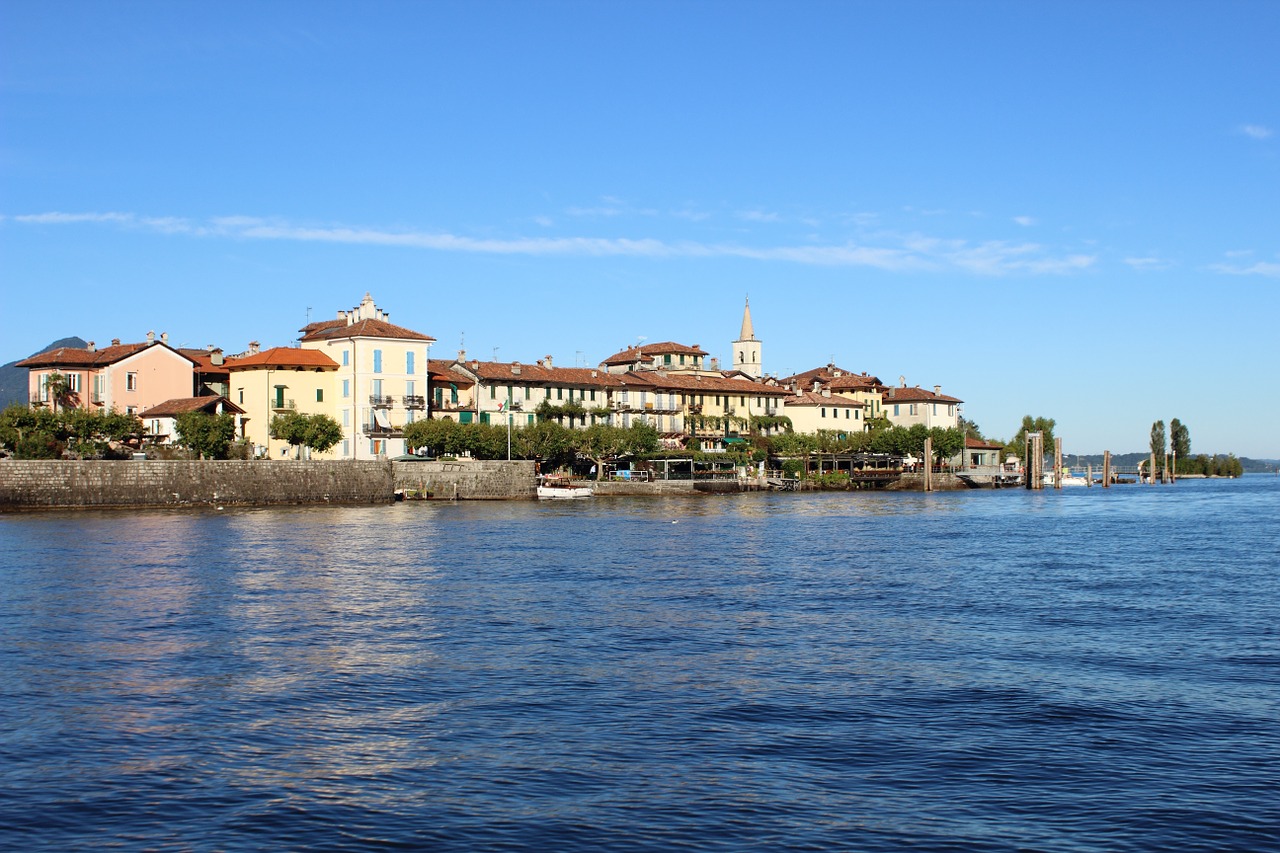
x,y
35,484
619,488
466,480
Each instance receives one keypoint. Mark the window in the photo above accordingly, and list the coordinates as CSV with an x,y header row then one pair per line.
x,y
824,412
666,359
493,392
319,395
346,389
846,414
346,422
346,447
377,387
453,393
409,388
593,395
559,393
131,410
913,408
377,361
682,359
935,408
241,395
409,416
484,417
895,410
131,382
408,362
280,396
73,382
346,362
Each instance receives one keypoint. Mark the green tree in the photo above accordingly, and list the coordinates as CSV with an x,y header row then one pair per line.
x,y
323,432
1158,444
316,432
970,429
547,441
206,434
31,433
439,437
602,443
1018,445
1180,439
946,443
59,388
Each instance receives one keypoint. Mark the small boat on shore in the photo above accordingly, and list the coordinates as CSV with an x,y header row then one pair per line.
x,y
560,488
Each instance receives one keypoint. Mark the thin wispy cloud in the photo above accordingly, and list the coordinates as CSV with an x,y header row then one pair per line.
x,y
758,216
892,253
1266,269
1256,131
1147,264
1025,221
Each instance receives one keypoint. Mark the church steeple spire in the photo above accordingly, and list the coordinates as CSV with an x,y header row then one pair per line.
x,y
748,333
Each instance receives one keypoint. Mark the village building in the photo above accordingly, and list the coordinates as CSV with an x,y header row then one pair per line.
x,y
160,423
746,349
812,411
128,378
278,381
907,407
382,379
667,355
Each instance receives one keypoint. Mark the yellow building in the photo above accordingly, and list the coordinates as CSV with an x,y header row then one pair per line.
x,y
381,382
277,381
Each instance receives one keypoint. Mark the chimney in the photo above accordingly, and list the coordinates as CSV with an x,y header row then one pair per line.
x,y
817,386
937,389
893,392
254,347
546,360
215,356
164,338
515,368
715,364
462,356
151,338
115,342
91,347
826,392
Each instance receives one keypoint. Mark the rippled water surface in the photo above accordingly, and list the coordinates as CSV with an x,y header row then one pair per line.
x,y
1086,670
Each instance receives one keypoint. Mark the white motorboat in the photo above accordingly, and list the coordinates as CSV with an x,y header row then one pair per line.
x,y
559,488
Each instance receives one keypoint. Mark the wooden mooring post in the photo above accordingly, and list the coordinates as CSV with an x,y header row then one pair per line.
x,y
1106,469
1088,475
1057,462
1035,460
928,464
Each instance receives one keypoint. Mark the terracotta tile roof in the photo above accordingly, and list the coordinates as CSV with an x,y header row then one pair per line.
x,y
648,351
534,374
809,398
336,329
86,358
697,384
854,382
284,357
916,395
981,444
182,405
441,370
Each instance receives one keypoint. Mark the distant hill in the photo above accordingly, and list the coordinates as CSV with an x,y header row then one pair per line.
x,y
13,379
1127,460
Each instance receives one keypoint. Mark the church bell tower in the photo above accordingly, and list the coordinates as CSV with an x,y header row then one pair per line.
x,y
746,349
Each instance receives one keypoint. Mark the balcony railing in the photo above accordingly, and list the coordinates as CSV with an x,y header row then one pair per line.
x,y
381,402
412,402
283,405
383,432
450,406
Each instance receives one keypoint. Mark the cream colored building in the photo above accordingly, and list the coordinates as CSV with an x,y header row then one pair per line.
x,y
906,407
275,382
811,411
382,381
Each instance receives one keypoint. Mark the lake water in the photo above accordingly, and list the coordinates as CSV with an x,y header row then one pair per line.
x,y
1083,670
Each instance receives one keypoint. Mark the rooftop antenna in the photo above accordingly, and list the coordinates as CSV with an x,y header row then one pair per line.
x,y
578,360
495,353
308,315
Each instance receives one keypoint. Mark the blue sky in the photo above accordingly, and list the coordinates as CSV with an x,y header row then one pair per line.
x,y
1059,209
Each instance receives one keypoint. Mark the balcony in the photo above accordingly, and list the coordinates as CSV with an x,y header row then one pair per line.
x,y
411,402
379,401
283,405
451,406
